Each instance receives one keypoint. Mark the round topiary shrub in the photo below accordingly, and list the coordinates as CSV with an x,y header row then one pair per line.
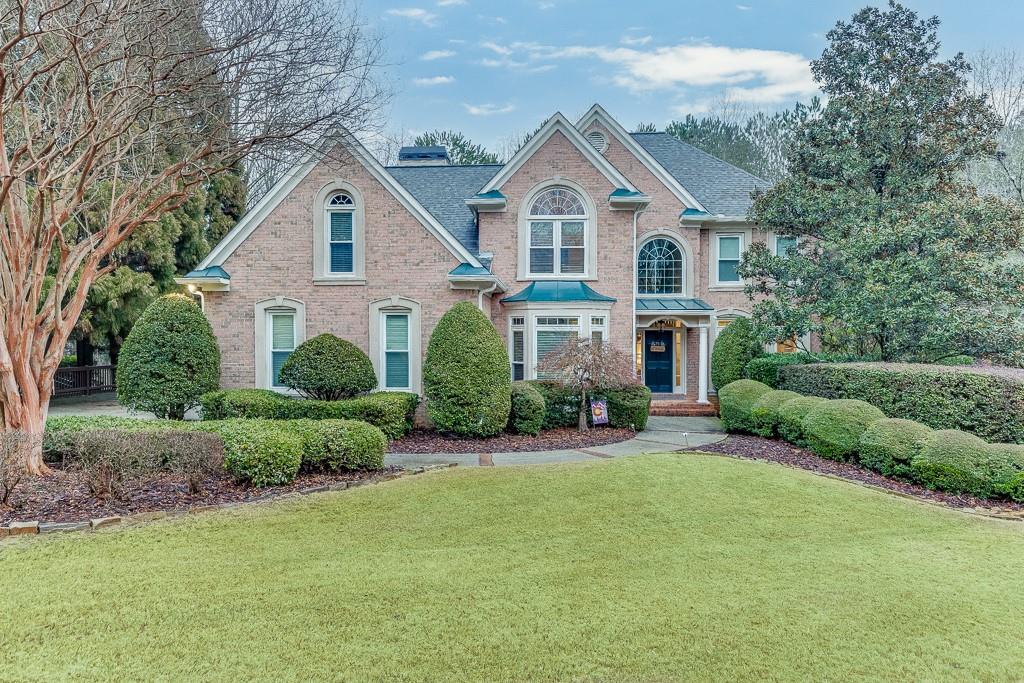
x,y
887,446
327,368
736,401
956,462
169,359
466,374
765,413
527,415
833,429
735,347
791,418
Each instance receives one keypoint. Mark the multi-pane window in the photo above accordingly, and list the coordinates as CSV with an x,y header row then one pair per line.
x,y
396,351
785,246
558,233
282,342
517,350
660,267
729,249
598,329
340,237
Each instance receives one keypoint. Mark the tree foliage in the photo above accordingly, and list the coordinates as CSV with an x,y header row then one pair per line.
x,y
583,366
461,150
898,254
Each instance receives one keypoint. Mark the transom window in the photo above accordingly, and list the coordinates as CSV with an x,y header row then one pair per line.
x,y
660,267
340,237
558,233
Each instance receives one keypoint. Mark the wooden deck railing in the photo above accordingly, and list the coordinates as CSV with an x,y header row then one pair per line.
x,y
82,381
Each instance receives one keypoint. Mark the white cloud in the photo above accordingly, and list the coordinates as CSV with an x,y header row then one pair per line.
x,y
494,47
434,80
744,8
450,3
545,5
436,54
415,14
636,40
488,109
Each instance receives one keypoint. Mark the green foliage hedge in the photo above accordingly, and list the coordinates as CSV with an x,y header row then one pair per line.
x,y
335,445
735,347
833,429
765,415
169,359
888,446
327,368
958,462
466,374
261,452
965,398
527,416
390,411
629,407
791,418
765,369
736,402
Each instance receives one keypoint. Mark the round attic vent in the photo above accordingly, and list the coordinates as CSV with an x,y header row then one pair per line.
x,y
597,140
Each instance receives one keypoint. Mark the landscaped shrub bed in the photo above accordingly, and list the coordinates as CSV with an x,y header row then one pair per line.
x,y
849,430
527,416
988,402
629,407
390,411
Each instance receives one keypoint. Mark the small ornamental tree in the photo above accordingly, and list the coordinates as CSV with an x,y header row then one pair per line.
x,y
328,369
169,359
735,347
584,366
466,375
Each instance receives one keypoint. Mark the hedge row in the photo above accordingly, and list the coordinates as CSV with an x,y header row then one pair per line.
x,y
261,452
628,407
855,431
392,412
988,405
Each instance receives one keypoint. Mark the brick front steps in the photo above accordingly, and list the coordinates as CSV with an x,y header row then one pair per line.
x,y
670,405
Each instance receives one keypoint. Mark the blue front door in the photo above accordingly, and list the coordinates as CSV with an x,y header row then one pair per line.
x,y
658,354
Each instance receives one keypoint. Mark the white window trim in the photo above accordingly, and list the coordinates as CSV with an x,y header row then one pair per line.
x,y
556,246
584,328
378,310
263,339
512,329
590,234
384,350
687,285
322,274
713,238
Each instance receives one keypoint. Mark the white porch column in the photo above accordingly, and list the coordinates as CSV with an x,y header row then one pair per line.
x,y
702,368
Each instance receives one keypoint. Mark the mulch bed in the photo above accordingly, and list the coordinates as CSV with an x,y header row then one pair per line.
x,y
63,496
757,448
424,441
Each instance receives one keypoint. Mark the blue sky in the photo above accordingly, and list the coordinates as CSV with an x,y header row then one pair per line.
x,y
491,69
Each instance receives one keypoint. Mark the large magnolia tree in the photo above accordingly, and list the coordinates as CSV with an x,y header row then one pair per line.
x,y
127,106
898,255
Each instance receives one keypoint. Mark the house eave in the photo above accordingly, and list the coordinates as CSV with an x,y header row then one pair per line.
x,y
205,284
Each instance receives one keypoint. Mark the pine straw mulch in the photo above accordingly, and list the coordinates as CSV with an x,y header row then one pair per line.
x,y
63,496
425,441
758,448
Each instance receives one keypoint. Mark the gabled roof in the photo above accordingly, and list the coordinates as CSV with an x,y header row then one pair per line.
x,y
443,190
556,291
722,188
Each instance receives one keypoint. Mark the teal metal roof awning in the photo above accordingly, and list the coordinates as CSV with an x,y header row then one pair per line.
x,y
557,291
212,271
465,269
694,212
493,194
668,304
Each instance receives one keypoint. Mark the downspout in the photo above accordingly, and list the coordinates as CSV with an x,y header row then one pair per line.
x,y
480,295
636,288
198,293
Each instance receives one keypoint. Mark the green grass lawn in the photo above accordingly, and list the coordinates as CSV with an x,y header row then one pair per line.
x,y
652,568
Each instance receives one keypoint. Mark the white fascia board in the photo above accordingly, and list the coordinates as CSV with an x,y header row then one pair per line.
x,y
559,123
210,284
597,113
255,216
487,204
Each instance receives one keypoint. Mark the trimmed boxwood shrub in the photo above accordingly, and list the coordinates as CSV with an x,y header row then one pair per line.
x,y
1012,488
466,374
735,347
791,418
629,407
242,403
335,445
261,452
971,399
958,462
833,429
888,446
736,401
327,368
527,416
764,415
169,359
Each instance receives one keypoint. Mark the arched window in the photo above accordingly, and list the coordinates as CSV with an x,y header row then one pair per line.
x,y
340,234
660,268
558,233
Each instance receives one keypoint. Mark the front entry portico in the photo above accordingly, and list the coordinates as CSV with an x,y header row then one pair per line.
x,y
670,332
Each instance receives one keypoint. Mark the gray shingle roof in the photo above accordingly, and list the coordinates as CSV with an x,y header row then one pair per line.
x,y
443,191
721,187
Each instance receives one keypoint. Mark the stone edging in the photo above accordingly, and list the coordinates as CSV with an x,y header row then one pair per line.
x,y
37,527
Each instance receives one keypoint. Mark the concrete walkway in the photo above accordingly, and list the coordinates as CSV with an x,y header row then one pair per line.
x,y
663,434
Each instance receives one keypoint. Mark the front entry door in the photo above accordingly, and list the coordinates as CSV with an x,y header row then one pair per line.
x,y
658,354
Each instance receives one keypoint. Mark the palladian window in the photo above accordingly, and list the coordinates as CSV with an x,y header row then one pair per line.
x,y
660,268
557,233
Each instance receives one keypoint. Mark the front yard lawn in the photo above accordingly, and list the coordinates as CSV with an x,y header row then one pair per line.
x,y
668,567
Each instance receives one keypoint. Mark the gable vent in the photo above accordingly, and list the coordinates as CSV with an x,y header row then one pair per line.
x,y
598,141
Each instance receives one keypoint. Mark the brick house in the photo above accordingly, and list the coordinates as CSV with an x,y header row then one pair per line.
x,y
631,238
